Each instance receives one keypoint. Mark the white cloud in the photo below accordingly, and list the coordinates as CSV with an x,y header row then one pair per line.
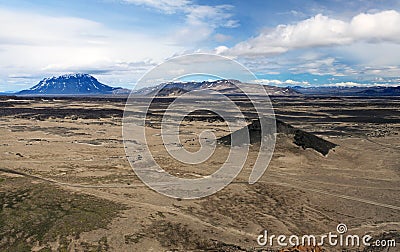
x,y
382,26
279,82
371,54
321,30
42,45
33,29
220,49
345,84
356,84
321,66
168,6
201,21
387,71
215,16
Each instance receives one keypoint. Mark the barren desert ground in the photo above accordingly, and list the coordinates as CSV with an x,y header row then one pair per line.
x,y
66,183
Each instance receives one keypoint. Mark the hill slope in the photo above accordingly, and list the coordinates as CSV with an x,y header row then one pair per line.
x,y
229,87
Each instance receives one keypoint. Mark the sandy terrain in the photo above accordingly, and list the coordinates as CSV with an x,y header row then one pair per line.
x,y
69,154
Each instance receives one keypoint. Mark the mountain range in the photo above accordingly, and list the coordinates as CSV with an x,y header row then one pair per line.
x,y
349,91
228,87
86,85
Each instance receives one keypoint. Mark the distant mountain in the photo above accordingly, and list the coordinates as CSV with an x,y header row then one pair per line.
x,y
382,91
86,85
7,93
72,84
349,91
229,87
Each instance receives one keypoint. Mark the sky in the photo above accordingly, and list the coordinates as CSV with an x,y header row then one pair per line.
x,y
284,43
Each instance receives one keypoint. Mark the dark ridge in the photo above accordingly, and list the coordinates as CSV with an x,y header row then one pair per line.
x,y
300,137
45,113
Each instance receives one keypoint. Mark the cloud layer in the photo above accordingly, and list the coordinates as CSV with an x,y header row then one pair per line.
x,y
121,39
201,20
319,31
34,45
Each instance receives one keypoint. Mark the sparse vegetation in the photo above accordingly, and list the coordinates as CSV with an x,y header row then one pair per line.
x,y
36,214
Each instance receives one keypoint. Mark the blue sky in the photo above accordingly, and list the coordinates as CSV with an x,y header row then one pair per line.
x,y
284,43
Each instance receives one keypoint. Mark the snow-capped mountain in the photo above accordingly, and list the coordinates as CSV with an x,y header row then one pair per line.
x,y
70,84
